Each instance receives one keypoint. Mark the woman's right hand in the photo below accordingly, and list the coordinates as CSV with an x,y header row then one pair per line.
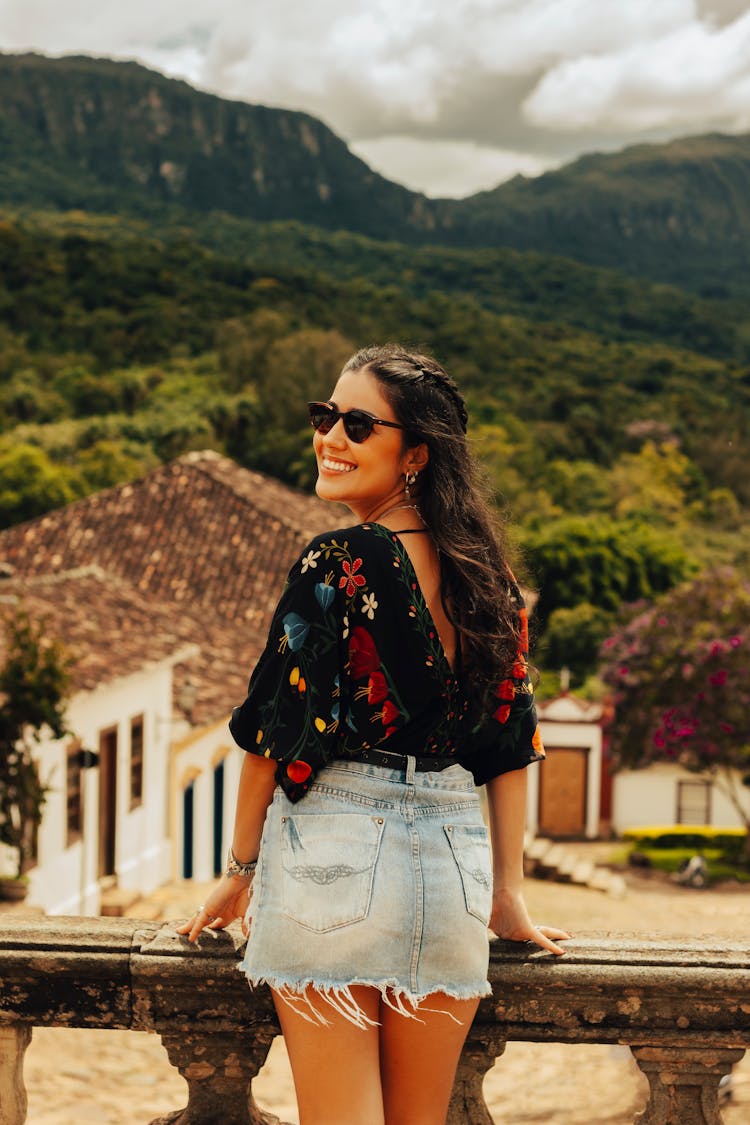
x,y
228,900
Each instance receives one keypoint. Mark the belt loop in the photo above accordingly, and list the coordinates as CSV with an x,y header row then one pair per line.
x,y
411,767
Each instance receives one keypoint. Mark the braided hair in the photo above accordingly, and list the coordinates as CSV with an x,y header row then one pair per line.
x,y
476,585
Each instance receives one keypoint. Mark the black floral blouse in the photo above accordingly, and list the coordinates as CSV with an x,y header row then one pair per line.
x,y
354,661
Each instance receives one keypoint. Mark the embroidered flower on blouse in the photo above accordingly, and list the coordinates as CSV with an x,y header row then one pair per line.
x,y
350,578
363,655
369,605
295,631
309,561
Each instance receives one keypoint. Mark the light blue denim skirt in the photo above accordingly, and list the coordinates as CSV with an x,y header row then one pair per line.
x,y
378,877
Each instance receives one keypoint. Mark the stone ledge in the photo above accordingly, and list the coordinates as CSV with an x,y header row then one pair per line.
x,y
121,972
682,1006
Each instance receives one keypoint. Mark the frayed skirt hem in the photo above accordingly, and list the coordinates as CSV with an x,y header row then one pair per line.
x,y
295,993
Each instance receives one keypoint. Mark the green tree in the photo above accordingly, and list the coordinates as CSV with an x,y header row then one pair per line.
x,y
298,368
302,366
678,673
86,393
243,343
605,563
30,484
107,463
577,486
573,638
655,484
34,681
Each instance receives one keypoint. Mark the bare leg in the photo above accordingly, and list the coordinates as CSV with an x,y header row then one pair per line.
x,y
418,1060
336,1069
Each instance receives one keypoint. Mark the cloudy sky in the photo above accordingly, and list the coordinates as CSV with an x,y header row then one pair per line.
x,y
446,96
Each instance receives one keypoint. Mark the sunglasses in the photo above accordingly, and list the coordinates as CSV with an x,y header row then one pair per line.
x,y
358,424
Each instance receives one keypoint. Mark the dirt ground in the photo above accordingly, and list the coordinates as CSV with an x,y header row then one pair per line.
x,y
124,1078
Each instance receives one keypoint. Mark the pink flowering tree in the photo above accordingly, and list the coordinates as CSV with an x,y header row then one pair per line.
x,y
679,674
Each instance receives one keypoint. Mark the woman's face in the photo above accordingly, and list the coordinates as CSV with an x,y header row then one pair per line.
x,y
368,477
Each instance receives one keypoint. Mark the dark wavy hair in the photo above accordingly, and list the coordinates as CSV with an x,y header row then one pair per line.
x,y
477,588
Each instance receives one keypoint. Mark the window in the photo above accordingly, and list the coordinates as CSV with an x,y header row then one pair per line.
x,y
136,762
73,794
694,802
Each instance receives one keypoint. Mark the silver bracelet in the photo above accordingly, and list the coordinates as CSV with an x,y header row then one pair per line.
x,y
234,867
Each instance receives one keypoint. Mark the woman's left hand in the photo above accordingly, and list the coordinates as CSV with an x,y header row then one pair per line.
x,y
510,921
228,900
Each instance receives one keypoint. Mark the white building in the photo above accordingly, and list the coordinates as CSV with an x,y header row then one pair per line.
x,y
106,820
162,589
575,794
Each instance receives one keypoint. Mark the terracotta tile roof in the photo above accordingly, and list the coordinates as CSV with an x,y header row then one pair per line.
x,y
201,532
101,620
188,552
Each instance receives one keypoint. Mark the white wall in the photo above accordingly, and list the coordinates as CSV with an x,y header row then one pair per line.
x,y
65,881
194,760
649,796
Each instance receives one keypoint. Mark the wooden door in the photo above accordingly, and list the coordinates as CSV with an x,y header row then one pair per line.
x,y
107,801
188,812
562,794
218,818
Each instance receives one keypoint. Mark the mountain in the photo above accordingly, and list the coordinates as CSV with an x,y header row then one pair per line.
x,y
105,136
98,135
676,212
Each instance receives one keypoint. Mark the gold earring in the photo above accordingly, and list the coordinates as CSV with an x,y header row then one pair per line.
x,y
409,478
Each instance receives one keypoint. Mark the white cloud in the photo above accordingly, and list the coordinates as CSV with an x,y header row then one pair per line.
x,y
352,62
526,37
446,168
694,76
484,81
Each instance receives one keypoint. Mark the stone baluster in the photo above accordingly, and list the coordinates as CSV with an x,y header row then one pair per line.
x,y
218,1069
684,1083
481,1050
216,1031
14,1039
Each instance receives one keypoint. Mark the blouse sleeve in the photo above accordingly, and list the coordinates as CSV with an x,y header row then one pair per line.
x,y
291,712
507,735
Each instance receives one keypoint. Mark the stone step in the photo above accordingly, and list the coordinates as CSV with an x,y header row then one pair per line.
x,y
145,910
551,860
538,848
582,872
116,901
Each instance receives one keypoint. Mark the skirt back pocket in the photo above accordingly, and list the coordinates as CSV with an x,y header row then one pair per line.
x,y
328,867
471,850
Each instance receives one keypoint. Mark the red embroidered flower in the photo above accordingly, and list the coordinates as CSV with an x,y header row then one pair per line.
x,y
502,713
377,689
350,578
524,631
363,656
506,690
519,669
390,713
298,771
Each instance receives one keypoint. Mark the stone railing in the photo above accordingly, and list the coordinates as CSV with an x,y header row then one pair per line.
x,y
682,1007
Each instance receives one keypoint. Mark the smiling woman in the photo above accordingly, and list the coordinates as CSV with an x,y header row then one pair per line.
x,y
394,680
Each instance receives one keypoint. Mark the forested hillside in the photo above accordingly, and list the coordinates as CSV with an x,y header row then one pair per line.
x,y
677,212
115,137
621,460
